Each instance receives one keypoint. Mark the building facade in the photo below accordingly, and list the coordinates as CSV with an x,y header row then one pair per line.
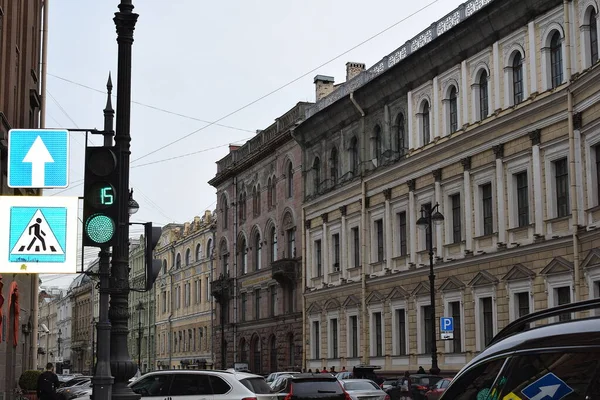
x,y
64,325
491,113
80,293
20,48
47,349
257,277
182,290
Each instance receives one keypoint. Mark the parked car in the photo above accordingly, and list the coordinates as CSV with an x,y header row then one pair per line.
x,y
421,383
274,375
364,389
312,386
388,383
557,360
278,382
436,390
77,389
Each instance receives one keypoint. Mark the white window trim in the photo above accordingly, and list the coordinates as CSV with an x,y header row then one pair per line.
x,y
476,89
514,167
376,308
593,275
479,180
375,215
421,302
312,271
554,282
353,313
350,224
395,306
584,35
419,115
478,294
513,288
592,139
449,190
451,297
330,316
422,198
446,108
397,208
333,230
551,155
546,63
314,338
513,44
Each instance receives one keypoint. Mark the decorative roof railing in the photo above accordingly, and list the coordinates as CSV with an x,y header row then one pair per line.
x,y
436,29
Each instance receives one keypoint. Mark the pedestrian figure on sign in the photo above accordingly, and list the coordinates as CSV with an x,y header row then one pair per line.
x,y
36,234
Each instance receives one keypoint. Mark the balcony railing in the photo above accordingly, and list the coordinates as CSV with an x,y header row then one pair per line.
x,y
285,270
222,288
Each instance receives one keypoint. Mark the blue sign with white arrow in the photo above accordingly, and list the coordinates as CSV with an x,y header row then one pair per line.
x,y
38,158
548,387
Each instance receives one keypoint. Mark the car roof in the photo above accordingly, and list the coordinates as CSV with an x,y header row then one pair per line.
x,y
312,376
238,375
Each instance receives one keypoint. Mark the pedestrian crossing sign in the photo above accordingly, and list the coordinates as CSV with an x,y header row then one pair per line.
x,y
41,236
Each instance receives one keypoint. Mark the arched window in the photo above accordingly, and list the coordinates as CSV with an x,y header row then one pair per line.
x,y
290,180
273,192
269,193
242,206
273,240
224,211
377,142
593,37
334,166
317,175
452,110
243,253
354,159
224,258
198,252
244,347
256,356
273,353
188,253
258,200
178,261
164,267
254,202
401,140
556,60
483,95
425,128
257,252
517,78
209,249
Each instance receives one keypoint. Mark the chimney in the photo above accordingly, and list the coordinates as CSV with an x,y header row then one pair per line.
x,y
196,223
186,228
207,216
323,86
233,147
353,69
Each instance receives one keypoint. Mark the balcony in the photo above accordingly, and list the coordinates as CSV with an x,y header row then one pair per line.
x,y
286,270
222,288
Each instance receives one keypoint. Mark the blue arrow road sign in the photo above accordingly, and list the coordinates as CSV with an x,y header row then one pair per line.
x,y
548,387
447,324
38,158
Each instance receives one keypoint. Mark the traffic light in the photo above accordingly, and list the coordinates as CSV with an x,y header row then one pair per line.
x,y
152,235
100,197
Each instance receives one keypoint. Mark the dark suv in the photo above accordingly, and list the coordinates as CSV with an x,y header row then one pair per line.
x,y
311,386
558,360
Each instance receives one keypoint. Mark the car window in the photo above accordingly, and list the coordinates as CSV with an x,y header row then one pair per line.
x,y
219,386
439,385
309,386
256,385
360,385
155,385
476,383
190,385
445,384
555,375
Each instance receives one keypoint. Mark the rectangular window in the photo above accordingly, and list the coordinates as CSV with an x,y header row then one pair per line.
x,y
336,252
207,286
456,218
318,258
164,301
597,148
488,320
483,98
244,306
457,340
402,233
353,322
334,337
316,340
273,307
378,334
427,326
379,239
563,295
522,199
401,331
291,243
198,290
522,300
561,173
355,247
257,304
178,299
188,295
487,205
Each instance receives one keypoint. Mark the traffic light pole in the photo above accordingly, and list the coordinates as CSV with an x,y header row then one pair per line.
x,y
121,364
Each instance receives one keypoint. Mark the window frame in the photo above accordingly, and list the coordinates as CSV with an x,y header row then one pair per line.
x,y
400,339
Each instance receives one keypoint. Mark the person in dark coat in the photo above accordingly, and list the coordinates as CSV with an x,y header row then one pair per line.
x,y
421,371
47,384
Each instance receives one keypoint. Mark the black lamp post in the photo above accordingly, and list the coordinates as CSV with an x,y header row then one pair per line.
x,y
59,341
140,308
429,216
93,361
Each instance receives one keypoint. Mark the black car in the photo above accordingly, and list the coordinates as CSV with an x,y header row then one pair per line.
x,y
421,384
311,386
558,360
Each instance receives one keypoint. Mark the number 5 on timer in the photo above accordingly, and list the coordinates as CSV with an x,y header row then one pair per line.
x,y
100,209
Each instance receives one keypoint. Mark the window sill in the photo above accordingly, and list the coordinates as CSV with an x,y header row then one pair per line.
x,y
483,237
452,245
557,219
400,257
593,209
517,229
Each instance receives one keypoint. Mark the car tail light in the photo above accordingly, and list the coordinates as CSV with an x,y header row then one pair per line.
x,y
289,395
419,387
347,396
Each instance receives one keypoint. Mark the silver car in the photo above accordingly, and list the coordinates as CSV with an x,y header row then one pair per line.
x,y
363,389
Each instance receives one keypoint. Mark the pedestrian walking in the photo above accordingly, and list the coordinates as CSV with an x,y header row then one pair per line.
x,y
47,384
405,387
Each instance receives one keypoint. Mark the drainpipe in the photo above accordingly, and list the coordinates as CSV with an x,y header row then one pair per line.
x,y
235,269
172,300
212,301
304,285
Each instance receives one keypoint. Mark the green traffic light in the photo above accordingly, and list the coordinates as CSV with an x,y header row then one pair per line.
x,y
99,228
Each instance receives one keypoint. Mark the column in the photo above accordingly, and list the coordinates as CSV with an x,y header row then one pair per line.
x,y
325,249
538,195
501,203
343,244
410,117
387,137
308,253
439,229
465,95
436,129
389,247
466,163
532,57
412,220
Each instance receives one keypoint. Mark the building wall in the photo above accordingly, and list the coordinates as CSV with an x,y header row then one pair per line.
x,y
496,267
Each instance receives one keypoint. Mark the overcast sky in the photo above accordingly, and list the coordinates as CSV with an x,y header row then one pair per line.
x,y
204,60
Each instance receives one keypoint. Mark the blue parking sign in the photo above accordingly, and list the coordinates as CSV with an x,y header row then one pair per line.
x,y
447,324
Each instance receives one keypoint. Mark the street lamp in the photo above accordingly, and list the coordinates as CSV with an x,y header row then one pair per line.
x,y
132,205
429,216
140,308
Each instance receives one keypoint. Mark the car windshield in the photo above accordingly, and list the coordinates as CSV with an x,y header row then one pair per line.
x,y
310,386
360,385
256,385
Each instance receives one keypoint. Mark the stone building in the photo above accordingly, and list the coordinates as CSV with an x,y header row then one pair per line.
x,y
20,102
257,277
47,350
183,300
491,112
80,293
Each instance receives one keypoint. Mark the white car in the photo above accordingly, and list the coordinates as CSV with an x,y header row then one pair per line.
x,y
363,389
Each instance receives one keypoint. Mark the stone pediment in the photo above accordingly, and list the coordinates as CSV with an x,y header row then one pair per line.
x,y
557,266
332,304
483,278
452,284
398,293
351,301
314,308
592,260
519,272
422,289
374,297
